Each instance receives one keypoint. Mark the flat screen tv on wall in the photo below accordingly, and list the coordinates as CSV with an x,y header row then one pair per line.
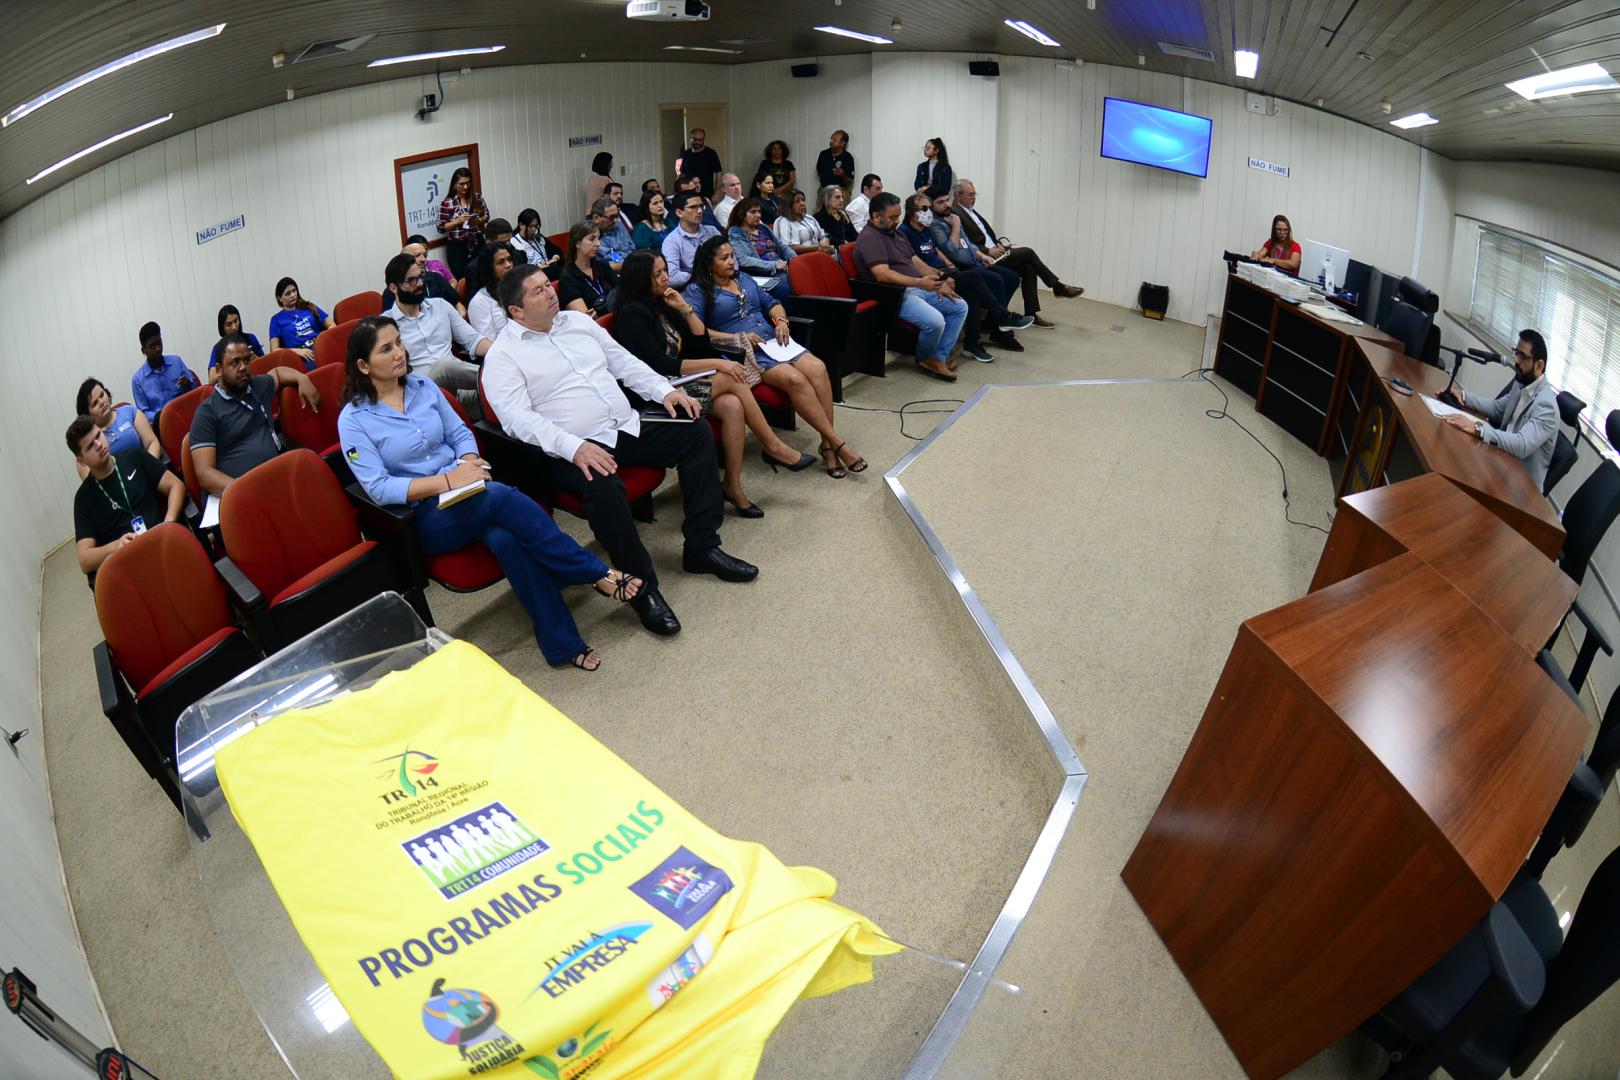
x,y
1149,135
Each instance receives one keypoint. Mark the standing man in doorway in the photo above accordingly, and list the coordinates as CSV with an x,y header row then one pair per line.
x,y
701,161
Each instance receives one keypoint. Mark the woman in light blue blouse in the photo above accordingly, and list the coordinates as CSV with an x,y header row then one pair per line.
x,y
759,252
405,444
731,302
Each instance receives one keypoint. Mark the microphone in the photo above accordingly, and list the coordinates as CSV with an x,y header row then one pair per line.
x,y
1480,356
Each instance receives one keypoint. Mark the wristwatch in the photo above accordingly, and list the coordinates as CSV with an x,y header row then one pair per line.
x,y
1479,429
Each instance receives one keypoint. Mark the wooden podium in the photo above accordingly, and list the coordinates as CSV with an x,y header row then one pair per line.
x,y
1375,763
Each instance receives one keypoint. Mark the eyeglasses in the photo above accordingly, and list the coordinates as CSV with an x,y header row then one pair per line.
x,y
1522,355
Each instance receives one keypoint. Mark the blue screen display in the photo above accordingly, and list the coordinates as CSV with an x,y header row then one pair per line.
x,y
1149,135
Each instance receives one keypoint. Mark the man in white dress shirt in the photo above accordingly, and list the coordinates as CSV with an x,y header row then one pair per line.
x,y
553,379
859,210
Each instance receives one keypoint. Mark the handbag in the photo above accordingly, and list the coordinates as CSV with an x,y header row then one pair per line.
x,y
753,374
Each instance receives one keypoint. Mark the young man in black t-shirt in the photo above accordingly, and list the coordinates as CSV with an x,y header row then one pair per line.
x,y
123,496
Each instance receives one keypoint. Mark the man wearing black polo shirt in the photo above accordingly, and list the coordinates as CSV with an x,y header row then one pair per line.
x,y
122,496
232,431
700,161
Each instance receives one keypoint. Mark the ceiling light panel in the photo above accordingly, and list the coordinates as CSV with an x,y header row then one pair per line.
x,y
857,35
107,69
1034,33
435,55
1416,120
100,145
1562,83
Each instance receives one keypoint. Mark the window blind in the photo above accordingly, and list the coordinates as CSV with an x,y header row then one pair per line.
x,y
1519,283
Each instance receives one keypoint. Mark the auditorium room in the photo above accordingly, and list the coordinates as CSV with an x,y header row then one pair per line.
x,y
821,539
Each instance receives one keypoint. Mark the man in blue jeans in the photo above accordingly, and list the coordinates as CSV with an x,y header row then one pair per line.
x,y
930,303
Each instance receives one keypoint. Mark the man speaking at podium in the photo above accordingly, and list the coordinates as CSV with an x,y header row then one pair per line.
x,y
1524,421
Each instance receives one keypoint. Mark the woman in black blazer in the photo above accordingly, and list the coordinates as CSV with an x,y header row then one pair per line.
x,y
935,169
650,320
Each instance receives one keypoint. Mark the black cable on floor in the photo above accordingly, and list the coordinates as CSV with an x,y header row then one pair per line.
x,y
1222,413
901,411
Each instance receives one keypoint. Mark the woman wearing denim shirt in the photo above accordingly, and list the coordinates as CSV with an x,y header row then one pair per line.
x,y
759,253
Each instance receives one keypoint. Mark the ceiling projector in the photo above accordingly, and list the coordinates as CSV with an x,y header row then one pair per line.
x,y
667,10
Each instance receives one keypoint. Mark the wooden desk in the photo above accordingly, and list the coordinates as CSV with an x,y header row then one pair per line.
x,y
1505,576
1376,761
1395,437
1291,360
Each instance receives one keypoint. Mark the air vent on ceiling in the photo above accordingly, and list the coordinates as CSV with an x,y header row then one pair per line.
x,y
320,50
1186,52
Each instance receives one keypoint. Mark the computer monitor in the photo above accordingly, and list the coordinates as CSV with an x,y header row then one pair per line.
x,y
1315,252
1359,278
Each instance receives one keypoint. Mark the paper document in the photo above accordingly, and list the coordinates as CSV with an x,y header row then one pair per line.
x,y
1441,409
781,353
1328,311
210,513
455,495
762,282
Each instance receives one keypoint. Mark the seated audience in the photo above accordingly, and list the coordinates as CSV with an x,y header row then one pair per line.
x,y
126,426
121,496
1021,260
536,249
681,243
497,231
1280,249
730,302
588,283
832,218
700,160
629,214
651,320
601,176
432,266
437,285
232,431
614,239
836,166
654,223
229,321
298,322
935,168
764,193
690,183
953,243
730,194
406,445
483,310
778,165
651,184
798,229
1524,421
430,328
859,208
759,253
929,303
981,291
553,378
162,378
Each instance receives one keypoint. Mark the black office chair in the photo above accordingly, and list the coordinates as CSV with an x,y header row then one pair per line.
x,y
1411,316
1495,1001
1566,449
1582,795
1431,348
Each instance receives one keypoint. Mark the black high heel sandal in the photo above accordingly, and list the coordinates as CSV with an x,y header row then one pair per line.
x,y
836,469
752,510
620,590
858,465
804,462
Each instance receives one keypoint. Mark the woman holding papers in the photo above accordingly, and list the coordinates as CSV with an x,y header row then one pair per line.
x,y
650,320
733,303
405,444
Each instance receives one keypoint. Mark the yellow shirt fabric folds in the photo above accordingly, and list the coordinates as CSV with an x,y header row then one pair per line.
x,y
490,891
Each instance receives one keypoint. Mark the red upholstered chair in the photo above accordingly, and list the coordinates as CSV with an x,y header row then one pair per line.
x,y
358,306
174,422
170,640
901,335
188,472
276,358
332,346
315,429
559,240
515,457
297,557
849,331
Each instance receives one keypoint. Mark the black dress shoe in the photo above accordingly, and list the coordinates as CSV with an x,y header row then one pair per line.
x,y
1007,341
655,613
716,562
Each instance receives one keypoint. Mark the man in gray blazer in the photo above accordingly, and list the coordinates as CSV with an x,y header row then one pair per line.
x,y
1524,421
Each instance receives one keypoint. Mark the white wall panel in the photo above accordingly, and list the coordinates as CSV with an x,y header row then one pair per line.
x,y
767,103
1576,208
918,96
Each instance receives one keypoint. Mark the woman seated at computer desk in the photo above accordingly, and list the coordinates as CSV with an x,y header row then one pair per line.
x,y
1281,249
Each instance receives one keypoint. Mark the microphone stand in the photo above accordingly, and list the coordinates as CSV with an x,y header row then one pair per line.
x,y
1456,367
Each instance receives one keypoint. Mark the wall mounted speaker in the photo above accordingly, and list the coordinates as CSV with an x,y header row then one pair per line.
x,y
804,71
987,68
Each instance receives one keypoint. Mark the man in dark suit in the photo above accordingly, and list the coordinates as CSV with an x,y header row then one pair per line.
x,y
977,229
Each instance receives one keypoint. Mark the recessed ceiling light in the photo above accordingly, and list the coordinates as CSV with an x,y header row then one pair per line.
x,y
107,69
1574,80
1034,33
841,32
435,55
700,48
1364,57
104,142
1246,62
1416,120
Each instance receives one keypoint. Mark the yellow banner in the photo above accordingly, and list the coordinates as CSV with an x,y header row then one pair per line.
x,y
490,891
